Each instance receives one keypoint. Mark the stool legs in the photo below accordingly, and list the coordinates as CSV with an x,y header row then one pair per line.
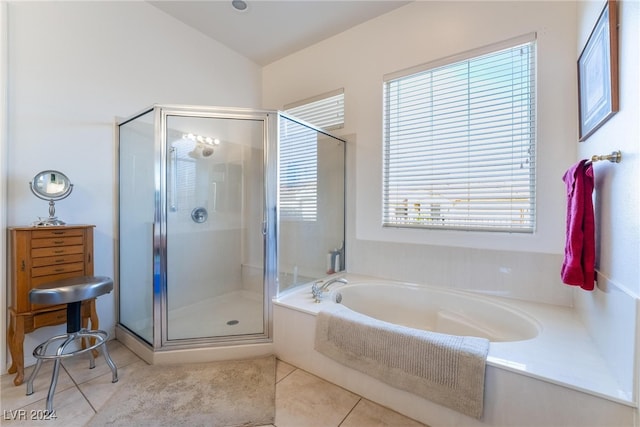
x,y
40,353
107,358
44,346
92,363
54,375
56,367
32,377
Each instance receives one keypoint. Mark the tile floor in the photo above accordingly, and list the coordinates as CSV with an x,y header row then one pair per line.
x,y
302,399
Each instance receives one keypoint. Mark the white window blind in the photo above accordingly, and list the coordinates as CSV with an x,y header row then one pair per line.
x,y
183,179
299,153
324,111
298,172
459,143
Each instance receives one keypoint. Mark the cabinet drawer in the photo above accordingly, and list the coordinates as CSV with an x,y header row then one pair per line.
x,y
37,281
56,241
55,251
57,269
44,234
50,318
57,260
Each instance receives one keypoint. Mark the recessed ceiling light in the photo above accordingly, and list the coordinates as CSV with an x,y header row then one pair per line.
x,y
239,5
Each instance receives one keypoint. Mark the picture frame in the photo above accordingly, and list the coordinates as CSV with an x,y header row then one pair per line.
x,y
598,73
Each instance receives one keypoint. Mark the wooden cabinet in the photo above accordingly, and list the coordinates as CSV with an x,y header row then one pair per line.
x,y
37,256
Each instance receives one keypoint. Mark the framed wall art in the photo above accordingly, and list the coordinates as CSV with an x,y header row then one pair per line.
x,y
598,73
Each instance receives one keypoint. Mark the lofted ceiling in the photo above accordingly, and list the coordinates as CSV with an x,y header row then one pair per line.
x,y
269,30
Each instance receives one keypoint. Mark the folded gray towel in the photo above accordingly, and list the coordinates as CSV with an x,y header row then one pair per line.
x,y
446,369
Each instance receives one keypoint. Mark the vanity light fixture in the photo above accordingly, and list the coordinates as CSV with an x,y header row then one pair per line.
x,y
201,139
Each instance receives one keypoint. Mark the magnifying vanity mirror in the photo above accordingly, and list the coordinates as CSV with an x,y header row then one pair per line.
x,y
52,186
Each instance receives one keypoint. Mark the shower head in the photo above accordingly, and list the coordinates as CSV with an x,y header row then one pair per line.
x,y
201,151
207,151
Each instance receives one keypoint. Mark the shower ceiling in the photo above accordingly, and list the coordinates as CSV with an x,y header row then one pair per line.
x,y
269,30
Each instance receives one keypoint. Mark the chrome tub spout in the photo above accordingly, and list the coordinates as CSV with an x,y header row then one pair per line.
x,y
321,287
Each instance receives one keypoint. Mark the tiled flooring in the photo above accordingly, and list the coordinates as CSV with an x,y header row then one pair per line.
x,y
302,399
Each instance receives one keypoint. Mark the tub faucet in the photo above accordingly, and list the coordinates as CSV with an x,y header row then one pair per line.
x,y
319,288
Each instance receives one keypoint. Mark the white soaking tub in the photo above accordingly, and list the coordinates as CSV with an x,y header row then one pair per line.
x,y
437,310
542,367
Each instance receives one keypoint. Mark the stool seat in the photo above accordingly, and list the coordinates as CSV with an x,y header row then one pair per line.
x,y
71,290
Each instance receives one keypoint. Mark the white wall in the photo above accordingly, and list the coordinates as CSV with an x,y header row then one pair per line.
x,y
75,66
522,266
617,193
3,170
611,311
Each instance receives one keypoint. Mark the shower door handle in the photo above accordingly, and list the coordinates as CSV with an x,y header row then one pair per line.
x,y
174,178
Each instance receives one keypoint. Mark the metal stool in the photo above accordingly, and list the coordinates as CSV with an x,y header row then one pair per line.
x,y
71,292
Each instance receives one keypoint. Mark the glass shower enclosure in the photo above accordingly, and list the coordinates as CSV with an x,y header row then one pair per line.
x,y
200,219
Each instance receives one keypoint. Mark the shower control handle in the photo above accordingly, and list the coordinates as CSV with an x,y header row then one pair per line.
x,y
199,215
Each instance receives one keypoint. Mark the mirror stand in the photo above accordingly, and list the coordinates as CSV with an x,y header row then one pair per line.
x,y
50,185
52,220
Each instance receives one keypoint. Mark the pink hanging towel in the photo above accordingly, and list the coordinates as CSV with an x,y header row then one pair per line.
x,y
580,248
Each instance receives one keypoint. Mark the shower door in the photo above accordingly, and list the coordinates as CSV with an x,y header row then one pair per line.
x,y
214,211
138,154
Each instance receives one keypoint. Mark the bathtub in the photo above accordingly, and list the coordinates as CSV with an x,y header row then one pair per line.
x,y
437,310
542,367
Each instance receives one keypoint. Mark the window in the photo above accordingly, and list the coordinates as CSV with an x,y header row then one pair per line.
x,y
298,172
182,180
459,142
323,111
299,153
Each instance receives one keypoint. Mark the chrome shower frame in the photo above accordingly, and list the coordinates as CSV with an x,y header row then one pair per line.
x,y
161,342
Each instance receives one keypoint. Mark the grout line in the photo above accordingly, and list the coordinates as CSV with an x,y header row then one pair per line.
x,y
295,368
350,411
77,386
280,380
95,411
